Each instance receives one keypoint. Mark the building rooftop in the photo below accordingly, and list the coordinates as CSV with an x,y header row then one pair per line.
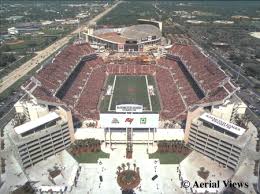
x,y
240,140
18,139
139,32
223,124
113,37
36,123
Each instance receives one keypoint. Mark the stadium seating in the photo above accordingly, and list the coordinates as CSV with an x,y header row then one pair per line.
x,y
203,70
208,76
53,75
89,98
180,80
130,69
171,99
76,78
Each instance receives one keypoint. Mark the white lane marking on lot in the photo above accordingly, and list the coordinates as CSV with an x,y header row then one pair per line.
x,y
149,98
112,93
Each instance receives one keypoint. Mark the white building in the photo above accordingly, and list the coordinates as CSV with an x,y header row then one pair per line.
x,y
12,31
217,138
43,135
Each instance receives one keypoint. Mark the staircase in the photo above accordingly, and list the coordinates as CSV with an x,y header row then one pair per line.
x,y
234,113
129,143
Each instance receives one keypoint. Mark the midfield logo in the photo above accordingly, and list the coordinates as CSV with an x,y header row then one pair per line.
x,y
115,121
143,121
129,120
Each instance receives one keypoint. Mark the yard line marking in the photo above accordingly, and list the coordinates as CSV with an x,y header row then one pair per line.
x,y
149,98
112,93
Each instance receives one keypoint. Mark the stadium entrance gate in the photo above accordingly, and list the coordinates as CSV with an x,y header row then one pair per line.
x,y
129,136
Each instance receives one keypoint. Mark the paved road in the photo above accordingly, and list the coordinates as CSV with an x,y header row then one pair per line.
x,y
12,77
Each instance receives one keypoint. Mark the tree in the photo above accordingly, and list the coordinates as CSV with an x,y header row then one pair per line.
x,y
128,165
6,59
119,169
123,166
138,170
134,166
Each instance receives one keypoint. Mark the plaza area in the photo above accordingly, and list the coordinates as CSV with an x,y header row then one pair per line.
x,y
90,174
62,172
156,178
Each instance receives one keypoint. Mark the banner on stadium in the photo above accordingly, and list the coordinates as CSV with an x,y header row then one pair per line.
x,y
222,124
129,120
129,108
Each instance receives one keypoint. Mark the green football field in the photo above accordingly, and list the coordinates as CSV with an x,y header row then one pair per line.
x,y
130,90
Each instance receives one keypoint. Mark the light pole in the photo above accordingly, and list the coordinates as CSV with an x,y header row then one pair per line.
x,y
239,71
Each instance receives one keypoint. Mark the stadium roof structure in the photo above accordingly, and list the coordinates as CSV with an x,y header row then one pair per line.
x,y
138,32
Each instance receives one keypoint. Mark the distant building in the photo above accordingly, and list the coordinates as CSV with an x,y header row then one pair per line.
x,y
217,138
240,17
45,23
45,134
24,28
82,15
70,22
13,31
14,18
128,39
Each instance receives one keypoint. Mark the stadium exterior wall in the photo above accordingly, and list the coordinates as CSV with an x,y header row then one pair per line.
x,y
120,47
229,151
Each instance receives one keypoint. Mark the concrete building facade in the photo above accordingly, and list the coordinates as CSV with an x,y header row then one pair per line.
x,y
219,140
36,140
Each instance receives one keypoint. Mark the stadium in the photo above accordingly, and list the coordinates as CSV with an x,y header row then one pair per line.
x,y
124,93
78,78
136,105
126,39
133,96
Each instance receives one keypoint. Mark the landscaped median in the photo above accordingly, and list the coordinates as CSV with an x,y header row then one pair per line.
x,y
171,152
87,151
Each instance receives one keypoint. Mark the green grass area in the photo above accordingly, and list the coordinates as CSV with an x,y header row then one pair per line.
x,y
167,158
15,65
130,90
128,12
91,157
